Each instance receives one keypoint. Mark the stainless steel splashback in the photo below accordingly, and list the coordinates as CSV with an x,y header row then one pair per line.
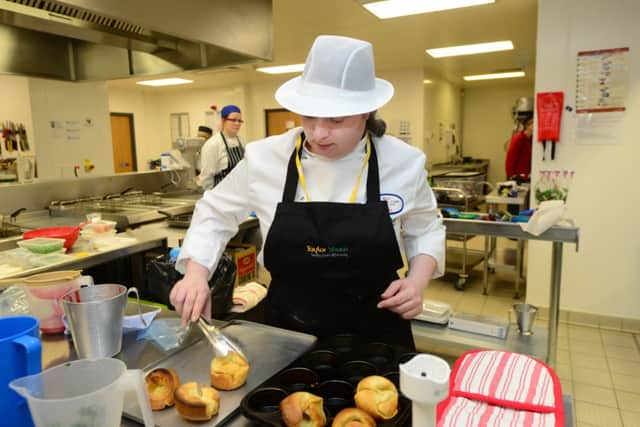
x,y
36,196
99,40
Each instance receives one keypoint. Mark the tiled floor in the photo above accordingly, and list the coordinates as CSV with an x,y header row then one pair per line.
x,y
599,368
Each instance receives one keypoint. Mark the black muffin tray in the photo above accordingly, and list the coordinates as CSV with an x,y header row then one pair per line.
x,y
331,370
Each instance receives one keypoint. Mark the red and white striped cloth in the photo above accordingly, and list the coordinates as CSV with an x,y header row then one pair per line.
x,y
465,412
499,388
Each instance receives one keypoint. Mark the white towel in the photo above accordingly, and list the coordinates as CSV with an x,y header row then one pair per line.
x,y
247,296
546,216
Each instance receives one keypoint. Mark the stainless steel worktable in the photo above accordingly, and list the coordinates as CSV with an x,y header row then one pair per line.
x,y
138,354
57,349
144,242
556,234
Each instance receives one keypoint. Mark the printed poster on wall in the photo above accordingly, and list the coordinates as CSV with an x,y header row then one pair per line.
x,y
70,130
602,87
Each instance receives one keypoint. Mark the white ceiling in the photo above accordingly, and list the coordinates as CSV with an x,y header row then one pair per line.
x,y
399,42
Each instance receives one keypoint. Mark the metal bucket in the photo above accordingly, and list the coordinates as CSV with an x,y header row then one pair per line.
x,y
95,318
525,316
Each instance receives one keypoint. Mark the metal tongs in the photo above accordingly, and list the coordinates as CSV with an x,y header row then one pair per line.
x,y
222,344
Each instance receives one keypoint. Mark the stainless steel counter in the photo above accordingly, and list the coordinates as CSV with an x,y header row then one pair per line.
x,y
271,349
149,236
439,169
173,234
558,235
144,241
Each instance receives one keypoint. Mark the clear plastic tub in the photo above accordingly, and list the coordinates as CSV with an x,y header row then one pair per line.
x,y
19,257
52,258
99,226
42,245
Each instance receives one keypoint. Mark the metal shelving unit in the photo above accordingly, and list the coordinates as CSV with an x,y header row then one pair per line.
x,y
462,259
558,235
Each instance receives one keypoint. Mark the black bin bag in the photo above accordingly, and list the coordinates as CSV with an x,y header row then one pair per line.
x,y
161,275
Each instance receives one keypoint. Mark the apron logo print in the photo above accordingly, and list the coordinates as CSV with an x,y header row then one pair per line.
x,y
394,202
327,252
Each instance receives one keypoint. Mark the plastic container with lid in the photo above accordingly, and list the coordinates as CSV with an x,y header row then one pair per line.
x,y
99,226
18,257
42,245
52,258
69,234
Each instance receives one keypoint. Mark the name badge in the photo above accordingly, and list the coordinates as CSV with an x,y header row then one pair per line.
x,y
394,202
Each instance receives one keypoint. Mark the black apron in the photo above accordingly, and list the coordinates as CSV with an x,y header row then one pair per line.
x,y
330,262
234,155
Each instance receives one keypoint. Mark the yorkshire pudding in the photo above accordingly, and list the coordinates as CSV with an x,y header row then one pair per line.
x,y
229,372
197,403
302,409
353,417
161,385
378,397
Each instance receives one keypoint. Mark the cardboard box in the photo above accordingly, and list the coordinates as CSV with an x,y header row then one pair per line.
x,y
244,256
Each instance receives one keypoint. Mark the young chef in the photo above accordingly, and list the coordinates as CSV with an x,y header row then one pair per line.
x,y
335,199
222,152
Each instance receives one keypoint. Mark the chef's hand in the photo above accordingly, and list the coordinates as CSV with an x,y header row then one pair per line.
x,y
190,296
404,296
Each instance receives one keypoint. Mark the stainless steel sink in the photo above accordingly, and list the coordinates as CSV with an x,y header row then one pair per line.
x,y
128,211
9,243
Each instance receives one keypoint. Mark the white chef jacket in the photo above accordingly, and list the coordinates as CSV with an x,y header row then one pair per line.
x,y
214,158
257,182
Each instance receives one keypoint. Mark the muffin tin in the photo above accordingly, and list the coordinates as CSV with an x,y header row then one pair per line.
x,y
331,370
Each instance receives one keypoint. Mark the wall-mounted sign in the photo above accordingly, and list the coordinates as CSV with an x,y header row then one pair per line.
x,y
602,87
602,80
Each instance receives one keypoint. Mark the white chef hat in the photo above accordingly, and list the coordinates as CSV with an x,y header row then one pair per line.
x,y
338,80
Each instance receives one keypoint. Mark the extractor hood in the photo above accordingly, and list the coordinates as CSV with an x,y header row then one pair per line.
x,y
80,40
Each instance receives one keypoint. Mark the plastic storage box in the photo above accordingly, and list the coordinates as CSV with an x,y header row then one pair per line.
x,y
98,227
42,245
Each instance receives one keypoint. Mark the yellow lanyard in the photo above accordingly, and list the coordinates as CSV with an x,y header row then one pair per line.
x,y
303,183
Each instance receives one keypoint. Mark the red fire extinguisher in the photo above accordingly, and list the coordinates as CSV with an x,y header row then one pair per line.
x,y
549,108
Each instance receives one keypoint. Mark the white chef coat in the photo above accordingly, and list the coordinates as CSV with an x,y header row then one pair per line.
x,y
257,182
214,158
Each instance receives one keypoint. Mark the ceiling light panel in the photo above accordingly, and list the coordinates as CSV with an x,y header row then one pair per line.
x,y
282,69
471,49
505,75
165,82
394,8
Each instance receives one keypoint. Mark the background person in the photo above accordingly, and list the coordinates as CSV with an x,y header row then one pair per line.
x,y
222,152
518,161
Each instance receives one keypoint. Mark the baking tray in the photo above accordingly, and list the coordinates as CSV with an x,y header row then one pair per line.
x,y
268,349
179,221
332,370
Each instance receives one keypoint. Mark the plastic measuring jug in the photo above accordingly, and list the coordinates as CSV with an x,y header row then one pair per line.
x,y
21,354
44,291
83,392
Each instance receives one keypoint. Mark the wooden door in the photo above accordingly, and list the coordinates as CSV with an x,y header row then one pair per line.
x,y
280,120
123,142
